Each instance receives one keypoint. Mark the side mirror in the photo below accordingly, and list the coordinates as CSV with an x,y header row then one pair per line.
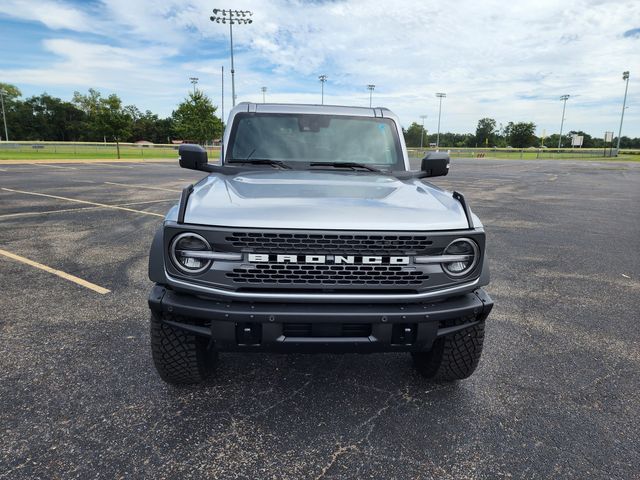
x,y
435,164
193,157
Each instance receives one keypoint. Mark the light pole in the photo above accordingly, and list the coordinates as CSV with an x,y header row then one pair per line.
x,y
564,98
625,76
440,96
4,118
194,81
323,79
370,87
422,131
232,17
264,91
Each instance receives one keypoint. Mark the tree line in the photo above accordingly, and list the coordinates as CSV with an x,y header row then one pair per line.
x,y
514,134
92,117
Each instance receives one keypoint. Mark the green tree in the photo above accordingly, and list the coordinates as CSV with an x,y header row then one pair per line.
x,y
195,119
114,119
521,134
485,132
412,136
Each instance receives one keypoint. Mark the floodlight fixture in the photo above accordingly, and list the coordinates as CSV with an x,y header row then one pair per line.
x,y
323,79
564,98
625,77
194,82
234,17
440,96
371,87
422,131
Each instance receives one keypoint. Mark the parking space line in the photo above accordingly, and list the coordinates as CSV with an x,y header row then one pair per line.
x,y
48,165
142,186
104,205
27,214
46,212
59,273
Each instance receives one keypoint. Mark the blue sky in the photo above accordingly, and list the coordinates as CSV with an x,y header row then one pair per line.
x,y
506,60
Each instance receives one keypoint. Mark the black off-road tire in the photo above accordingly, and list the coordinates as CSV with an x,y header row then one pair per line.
x,y
453,357
180,357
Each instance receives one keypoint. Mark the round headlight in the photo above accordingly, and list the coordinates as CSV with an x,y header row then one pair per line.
x,y
189,253
467,253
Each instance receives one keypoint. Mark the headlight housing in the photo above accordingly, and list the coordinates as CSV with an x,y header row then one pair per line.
x,y
468,254
190,253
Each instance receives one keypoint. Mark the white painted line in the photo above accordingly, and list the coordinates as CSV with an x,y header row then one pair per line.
x,y
48,165
131,185
46,212
108,165
59,273
27,214
104,205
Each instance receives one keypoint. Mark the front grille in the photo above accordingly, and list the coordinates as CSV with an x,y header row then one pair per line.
x,y
327,243
310,330
364,275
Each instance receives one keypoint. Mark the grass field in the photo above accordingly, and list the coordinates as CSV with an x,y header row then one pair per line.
x,y
57,151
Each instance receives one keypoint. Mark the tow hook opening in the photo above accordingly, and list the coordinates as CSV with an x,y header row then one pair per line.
x,y
404,333
248,334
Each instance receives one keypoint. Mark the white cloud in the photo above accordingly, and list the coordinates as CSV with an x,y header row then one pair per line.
x,y
510,61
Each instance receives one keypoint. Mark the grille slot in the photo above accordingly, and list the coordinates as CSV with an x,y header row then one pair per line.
x,y
327,275
328,243
311,330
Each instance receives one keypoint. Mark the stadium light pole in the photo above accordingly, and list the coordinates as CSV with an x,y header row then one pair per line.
x,y
4,118
625,76
232,17
323,79
370,87
564,98
422,131
264,91
194,82
440,96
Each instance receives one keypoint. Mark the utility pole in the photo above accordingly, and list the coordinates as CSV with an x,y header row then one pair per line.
x,y
232,17
370,87
323,79
564,98
422,131
625,76
264,91
440,96
194,81
4,117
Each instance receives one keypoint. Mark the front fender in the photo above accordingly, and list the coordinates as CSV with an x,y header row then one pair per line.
x,y
156,258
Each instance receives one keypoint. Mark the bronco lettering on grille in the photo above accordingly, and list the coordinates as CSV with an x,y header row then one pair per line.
x,y
324,259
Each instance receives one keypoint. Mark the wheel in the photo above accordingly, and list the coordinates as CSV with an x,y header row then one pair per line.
x,y
180,357
452,357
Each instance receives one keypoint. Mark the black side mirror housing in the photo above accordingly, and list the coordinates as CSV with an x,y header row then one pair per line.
x,y
435,164
193,157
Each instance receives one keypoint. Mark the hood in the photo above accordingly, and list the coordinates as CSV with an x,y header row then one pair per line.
x,y
303,199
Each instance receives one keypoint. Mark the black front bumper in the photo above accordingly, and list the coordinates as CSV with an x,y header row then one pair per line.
x,y
319,327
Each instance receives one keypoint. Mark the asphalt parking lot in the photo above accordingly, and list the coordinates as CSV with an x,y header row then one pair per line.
x,y
556,395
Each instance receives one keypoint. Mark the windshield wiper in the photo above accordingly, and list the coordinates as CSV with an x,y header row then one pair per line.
x,y
352,165
262,161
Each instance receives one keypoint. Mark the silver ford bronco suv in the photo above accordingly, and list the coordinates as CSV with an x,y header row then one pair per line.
x,y
314,235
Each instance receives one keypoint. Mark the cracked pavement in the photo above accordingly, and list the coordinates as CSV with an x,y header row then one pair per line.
x,y
556,394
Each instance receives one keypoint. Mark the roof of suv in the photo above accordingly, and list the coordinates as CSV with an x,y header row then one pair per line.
x,y
313,109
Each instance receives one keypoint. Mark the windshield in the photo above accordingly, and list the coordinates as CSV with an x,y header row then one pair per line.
x,y
306,139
